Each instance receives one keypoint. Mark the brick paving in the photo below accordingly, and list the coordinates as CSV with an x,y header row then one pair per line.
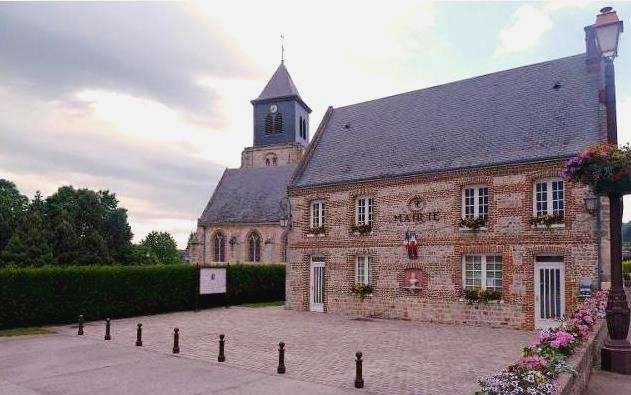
x,y
401,357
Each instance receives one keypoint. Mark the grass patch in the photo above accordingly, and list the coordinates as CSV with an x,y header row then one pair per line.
x,y
265,304
34,330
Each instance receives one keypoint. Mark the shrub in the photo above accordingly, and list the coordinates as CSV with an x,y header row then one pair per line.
x,y
54,295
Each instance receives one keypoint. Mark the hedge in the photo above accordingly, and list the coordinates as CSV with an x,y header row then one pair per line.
x,y
57,295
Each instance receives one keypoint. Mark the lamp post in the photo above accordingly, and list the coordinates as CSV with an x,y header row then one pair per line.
x,y
616,353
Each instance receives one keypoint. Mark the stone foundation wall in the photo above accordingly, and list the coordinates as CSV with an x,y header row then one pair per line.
x,y
583,360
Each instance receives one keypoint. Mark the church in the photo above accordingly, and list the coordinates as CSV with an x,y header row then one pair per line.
x,y
246,219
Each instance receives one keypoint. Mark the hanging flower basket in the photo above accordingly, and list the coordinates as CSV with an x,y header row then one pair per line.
x,y
604,167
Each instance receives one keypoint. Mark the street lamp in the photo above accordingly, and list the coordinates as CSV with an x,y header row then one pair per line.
x,y
608,28
616,353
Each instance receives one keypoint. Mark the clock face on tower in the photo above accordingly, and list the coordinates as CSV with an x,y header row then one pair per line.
x,y
273,108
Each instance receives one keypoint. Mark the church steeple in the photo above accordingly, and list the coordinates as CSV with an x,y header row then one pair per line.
x,y
280,114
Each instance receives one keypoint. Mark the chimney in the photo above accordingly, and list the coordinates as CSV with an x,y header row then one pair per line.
x,y
594,57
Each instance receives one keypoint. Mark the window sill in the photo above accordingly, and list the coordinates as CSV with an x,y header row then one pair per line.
x,y
501,301
311,235
482,229
362,234
553,226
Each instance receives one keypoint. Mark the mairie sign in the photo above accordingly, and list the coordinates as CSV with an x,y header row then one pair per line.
x,y
417,205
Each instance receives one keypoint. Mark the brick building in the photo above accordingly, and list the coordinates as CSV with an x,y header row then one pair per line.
x,y
242,220
428,167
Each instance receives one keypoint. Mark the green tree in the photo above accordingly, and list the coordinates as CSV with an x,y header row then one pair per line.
x,y
163,246
98,230
28,245
13,205
142,255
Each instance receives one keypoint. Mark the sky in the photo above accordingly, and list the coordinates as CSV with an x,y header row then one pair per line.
x,y
151,101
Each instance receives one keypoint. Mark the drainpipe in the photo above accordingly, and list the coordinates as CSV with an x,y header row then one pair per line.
x,y
599,236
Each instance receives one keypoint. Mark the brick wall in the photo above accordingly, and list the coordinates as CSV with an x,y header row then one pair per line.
x,y
442,245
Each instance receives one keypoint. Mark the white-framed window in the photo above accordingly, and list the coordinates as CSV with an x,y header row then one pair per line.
x,y
316,215
364,210
362,269
482,271
475,202
549,197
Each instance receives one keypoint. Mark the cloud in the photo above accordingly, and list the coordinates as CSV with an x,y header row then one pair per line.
x,y
160,184
151,100
528,24
150,50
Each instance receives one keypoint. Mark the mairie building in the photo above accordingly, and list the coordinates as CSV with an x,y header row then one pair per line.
x,y
424,197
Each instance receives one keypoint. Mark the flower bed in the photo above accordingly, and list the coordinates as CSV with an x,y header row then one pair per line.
x,y
541,363
604,167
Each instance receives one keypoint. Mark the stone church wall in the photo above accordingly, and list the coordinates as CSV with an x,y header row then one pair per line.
x,y
236,236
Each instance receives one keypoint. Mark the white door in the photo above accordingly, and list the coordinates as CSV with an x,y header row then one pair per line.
x,y
549,291
316,283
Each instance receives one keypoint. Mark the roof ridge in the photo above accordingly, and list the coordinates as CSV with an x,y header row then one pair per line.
x,y
458,81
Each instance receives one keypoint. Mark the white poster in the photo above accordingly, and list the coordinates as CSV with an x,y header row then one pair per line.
x,y
212,281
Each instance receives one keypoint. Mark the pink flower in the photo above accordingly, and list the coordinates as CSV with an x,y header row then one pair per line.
x,y
562,339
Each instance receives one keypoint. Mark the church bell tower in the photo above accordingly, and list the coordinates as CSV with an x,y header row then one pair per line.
x,y
281,124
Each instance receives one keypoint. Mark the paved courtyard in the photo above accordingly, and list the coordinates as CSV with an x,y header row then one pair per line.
x,y
400,357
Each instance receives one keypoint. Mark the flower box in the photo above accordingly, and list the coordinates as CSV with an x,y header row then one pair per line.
x,y
363,229
361,290
547,220
472,224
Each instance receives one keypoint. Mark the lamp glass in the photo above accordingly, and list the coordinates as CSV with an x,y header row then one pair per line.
x,y
607,37
590,203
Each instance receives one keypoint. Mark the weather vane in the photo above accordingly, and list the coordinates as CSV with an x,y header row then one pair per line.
x,y
282,48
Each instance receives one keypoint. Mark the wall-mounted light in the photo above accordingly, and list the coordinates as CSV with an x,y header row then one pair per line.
x,y
591,203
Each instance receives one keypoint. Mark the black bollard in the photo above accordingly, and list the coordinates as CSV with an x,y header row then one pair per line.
x,y
222,357
176,341
107,329
281,358
139,335
80,332
359,381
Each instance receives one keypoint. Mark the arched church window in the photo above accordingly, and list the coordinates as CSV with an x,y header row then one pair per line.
x,y
304,128
254,244
267,162
219,244
274,161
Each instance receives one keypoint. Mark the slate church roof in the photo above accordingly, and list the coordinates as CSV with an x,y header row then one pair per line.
x,y
538,112
280,86
249,195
